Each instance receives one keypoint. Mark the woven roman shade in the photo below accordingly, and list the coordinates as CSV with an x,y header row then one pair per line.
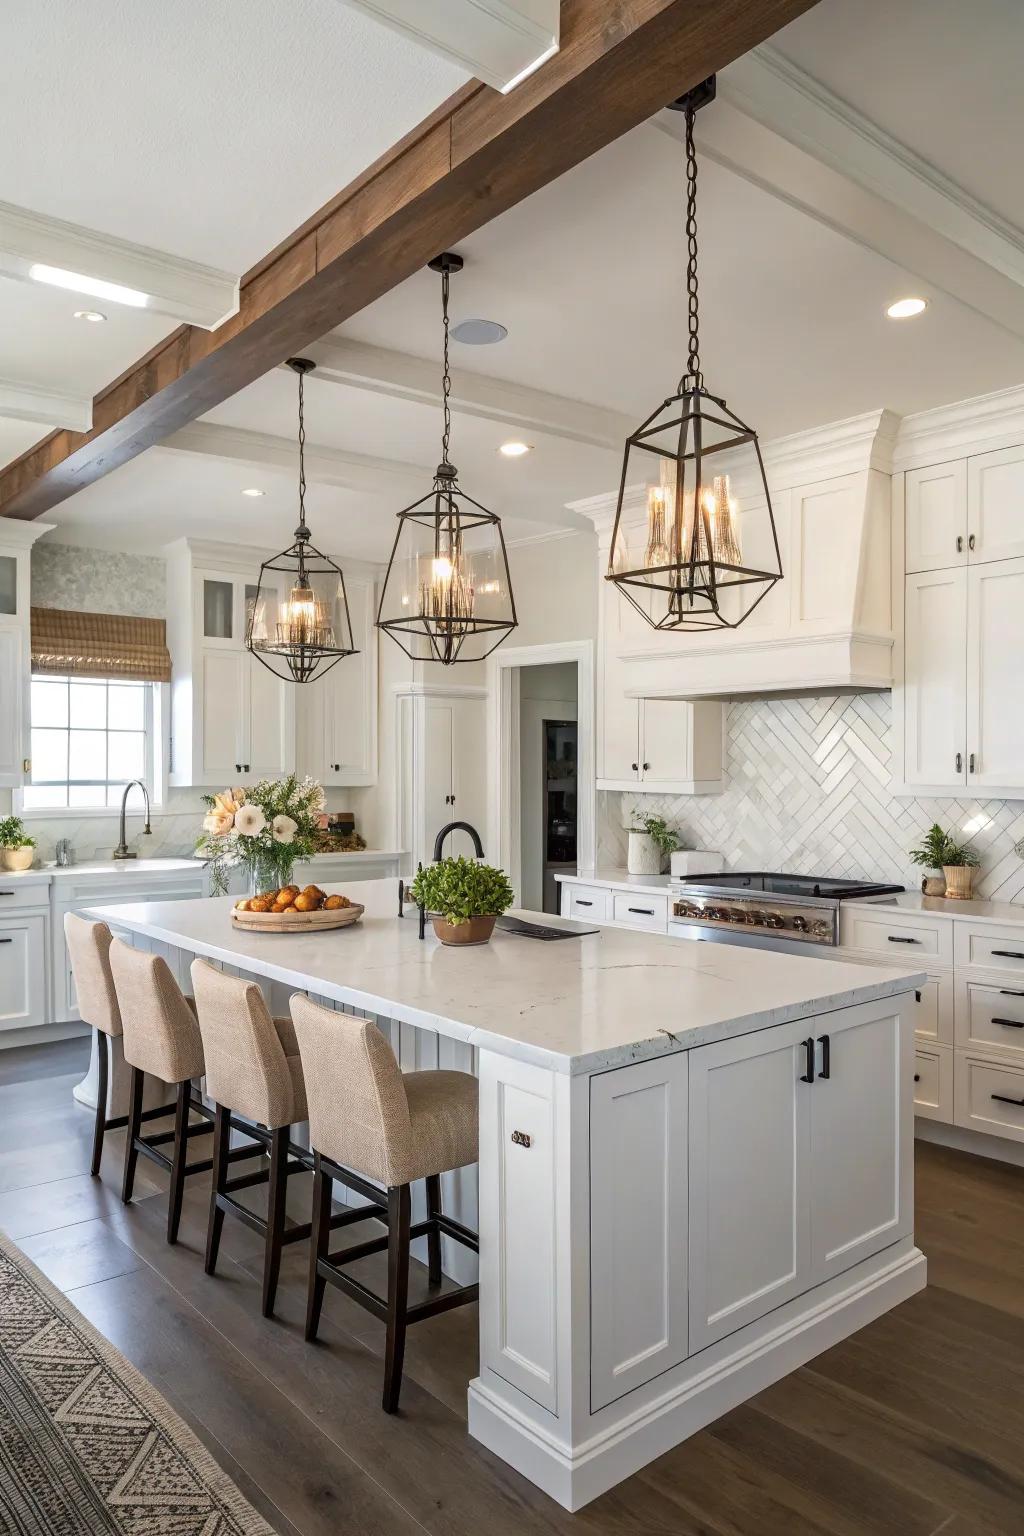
x,y
99,645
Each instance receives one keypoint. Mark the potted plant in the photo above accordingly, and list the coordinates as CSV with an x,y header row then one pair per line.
x,y
464,898
958,861
18,847
264,829
651,840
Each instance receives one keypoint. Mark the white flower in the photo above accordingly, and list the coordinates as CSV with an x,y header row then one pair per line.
x,y
217,823
284,829
249,820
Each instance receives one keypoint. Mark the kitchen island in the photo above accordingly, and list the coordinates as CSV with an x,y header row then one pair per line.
x,y
695,1161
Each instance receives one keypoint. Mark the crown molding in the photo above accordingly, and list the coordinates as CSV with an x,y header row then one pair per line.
x,y
183,290
17,533
966,426
48,407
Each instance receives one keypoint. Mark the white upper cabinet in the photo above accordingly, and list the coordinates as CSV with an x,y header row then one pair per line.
x,y
16,540
935,695
995,505
936,500
995,646
337,713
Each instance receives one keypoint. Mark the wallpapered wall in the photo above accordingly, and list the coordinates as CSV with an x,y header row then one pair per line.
x,y
98,581
807,791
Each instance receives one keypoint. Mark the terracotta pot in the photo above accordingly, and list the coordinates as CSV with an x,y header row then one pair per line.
x,y
18,858
933,885
959,881
475,930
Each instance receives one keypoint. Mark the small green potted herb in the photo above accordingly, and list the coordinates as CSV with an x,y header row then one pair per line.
x,y
18,848
464,898
651,841
957,861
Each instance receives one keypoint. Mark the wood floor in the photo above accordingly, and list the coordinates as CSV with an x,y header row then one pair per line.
x,y
912,1427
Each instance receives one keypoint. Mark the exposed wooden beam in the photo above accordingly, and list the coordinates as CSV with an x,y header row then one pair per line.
x,y
471,160
30,402
403,377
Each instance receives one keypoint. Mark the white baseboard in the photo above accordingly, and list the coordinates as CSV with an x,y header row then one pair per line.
x,y
573,1477
974,1142
42,1034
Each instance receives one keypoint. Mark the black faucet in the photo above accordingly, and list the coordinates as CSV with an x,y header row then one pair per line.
x,y
478,848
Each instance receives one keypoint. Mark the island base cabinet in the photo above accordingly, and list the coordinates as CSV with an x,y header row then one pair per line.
x,y
22,972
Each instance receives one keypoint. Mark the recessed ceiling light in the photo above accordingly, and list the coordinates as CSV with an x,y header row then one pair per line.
x,y
78,282
253,490
904,308
92,315
515,450
479,333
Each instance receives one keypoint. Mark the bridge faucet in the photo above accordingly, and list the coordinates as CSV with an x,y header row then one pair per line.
x,y
122,850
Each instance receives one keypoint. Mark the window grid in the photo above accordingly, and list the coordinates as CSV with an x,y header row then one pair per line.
x,y
101,727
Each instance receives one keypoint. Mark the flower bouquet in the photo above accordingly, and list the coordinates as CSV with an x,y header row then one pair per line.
x,y
264,829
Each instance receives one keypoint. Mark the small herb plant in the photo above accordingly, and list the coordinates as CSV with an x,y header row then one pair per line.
x,y
665,838
13,834
458,889
938,850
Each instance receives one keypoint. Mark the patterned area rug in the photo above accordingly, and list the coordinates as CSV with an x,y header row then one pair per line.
x,y
87,1446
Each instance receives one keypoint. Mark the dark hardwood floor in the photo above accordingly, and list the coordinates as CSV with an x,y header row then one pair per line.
x,y
912,1427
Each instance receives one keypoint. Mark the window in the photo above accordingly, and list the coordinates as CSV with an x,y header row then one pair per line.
x,y
90,737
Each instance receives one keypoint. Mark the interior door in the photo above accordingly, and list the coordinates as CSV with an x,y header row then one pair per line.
x,y
995,645
749,1219
935,687
664,741
936,516
862,1126
995,505
223,703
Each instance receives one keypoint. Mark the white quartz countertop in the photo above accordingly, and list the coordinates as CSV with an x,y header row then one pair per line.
x,y
621,880
940,906
115,867
572,1005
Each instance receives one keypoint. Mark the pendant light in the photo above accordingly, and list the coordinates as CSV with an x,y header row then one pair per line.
x,y
685,569
447,594
298,622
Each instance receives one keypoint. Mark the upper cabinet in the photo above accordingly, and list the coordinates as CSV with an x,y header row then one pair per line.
x,y
995,505
936,518
968,511
337,713
16,540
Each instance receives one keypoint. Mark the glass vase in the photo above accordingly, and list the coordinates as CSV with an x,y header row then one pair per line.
x,y
268,873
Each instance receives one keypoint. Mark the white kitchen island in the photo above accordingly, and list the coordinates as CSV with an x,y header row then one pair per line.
x,y
695,1160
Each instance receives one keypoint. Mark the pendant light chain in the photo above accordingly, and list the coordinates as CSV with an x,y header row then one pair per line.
x,y
446,376
693,360
302,451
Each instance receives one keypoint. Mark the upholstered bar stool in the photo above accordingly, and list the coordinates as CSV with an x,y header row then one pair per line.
x,y
370,1120
252,1070
89,949
161,1037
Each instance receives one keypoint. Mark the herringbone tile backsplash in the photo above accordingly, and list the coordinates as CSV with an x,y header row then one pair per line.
x,y
807,791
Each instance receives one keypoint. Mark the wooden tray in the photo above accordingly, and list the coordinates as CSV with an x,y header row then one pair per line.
x,y
297,922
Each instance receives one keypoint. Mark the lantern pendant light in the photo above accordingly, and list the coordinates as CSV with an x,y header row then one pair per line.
x,y
685,569
298,624
447,594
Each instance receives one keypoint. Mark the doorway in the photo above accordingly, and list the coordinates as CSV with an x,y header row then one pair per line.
x,y
548,762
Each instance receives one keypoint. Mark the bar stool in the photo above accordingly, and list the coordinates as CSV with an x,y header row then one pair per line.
x,y
161,1037
369,1120
89,949
252,1070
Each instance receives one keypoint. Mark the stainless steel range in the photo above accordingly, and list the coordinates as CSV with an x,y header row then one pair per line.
x,y
796,913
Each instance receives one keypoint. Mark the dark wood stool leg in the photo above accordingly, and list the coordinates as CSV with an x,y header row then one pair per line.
x,y
319,1244
277,1202
434,1235
179,1158
398,1294
100,1126
221,1147
131,1152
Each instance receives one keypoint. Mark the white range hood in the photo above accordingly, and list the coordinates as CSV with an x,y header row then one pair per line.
x,y
827,627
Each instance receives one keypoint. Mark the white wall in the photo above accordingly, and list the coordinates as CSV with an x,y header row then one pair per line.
x,y
554,581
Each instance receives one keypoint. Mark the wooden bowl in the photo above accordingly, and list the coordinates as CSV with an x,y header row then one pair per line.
x,y
297,922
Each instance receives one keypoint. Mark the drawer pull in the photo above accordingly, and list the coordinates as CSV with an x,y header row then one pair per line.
x,y
1003,991
1001,1098
6,941
1009,1023
522,1139
918,996
917,1077
6,893
642,911
1008,954
581,903
896,938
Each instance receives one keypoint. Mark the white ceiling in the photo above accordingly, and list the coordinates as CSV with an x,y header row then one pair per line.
x,y
587,275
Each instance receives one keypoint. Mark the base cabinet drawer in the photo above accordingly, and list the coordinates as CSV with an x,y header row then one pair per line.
x,y
997,949
903,938
650,912
933,1083
586,902
990,1016
988,1095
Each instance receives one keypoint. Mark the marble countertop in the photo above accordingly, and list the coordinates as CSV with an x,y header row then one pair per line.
x,y
622,880
977,911
116,867
575,1005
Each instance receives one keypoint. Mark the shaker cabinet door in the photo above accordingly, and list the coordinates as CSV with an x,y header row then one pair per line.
x,y
995,505
936,516
223,704
935,692
995,644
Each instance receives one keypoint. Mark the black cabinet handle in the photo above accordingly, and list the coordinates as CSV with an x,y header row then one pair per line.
x,y
807,1076
646,767
1008,954
642,911
6,893
917,1077
971,542
895,938
581,903
635,767
1003,991
970,763
917,997
1009,1023
238,767
6,941
959,762
826,1056
1001,1098
959,543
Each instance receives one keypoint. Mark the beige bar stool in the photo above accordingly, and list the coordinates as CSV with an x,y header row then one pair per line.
x,y
89,949
370,1120
253,1070
161,1037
